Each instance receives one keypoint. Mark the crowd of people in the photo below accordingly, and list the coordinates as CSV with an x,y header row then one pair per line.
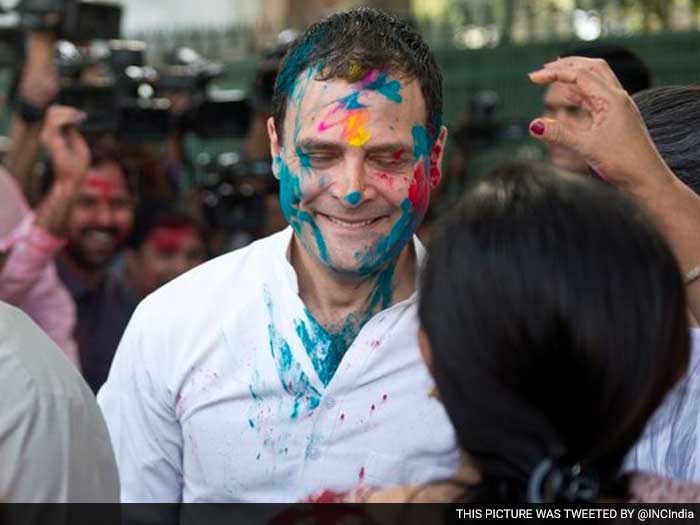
x,y
542,348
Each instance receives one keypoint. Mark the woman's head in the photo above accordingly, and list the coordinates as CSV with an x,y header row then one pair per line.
x,y
555,313
671,113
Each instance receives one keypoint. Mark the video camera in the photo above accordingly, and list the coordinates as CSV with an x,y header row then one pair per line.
x,y
76,20
123,96
233,192
211,112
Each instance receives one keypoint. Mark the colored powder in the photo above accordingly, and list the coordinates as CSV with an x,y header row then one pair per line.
x,y
355,130
295,63
290,197
293,379
361,475
250,422
354,198
380,83
326,348
385,397
391,245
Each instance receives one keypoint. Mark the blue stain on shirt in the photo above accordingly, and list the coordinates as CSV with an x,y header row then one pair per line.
x,y
294,380
326,346
354,197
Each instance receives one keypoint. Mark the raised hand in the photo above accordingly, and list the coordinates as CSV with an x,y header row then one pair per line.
x,y
616,144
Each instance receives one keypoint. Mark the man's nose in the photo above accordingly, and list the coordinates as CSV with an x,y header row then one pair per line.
x,y
105,215
353,190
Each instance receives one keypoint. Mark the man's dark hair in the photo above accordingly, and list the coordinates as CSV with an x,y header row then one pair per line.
x,y
361,40
149,218
671,114
632,73
103,152
556,314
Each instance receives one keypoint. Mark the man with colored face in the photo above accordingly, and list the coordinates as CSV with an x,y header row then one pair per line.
x,y
292,365
166,242
98,223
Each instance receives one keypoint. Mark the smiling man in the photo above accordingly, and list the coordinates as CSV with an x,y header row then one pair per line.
x,y
100,218
293,365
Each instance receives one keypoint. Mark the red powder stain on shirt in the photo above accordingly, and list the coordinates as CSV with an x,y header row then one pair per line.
x,y
329,496
342,417
385,397
375,344
362,474
372,408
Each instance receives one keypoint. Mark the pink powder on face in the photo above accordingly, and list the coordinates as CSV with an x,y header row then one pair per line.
x,y
170,239
419,191
398,153
435,174
107,189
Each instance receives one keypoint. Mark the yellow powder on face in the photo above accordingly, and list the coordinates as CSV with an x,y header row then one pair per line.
x,y
355,130
356,73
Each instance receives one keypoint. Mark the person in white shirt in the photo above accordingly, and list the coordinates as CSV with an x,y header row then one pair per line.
x,y
54,446
293,365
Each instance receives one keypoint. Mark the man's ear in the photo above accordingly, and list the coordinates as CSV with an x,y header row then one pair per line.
x,y
275,148
436,154
426,350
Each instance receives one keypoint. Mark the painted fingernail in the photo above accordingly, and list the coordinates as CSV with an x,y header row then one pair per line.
x,y
537,128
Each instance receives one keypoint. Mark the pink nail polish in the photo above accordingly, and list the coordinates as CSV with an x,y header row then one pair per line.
x,y
537,128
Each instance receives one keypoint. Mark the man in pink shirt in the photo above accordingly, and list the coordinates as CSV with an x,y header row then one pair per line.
x,y
29,241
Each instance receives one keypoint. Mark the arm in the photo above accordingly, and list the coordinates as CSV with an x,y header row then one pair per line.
x,y
37,239
141,418
618,147
38,86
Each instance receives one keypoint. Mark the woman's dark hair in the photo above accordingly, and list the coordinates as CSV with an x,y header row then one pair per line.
x,y
557,318
671,114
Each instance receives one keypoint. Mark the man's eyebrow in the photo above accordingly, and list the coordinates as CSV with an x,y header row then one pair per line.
x,y
396,148
312,144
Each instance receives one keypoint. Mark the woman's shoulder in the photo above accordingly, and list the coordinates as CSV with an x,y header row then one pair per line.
x,y
652,488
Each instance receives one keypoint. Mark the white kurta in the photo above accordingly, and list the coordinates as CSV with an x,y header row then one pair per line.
x,y
670,445
213,397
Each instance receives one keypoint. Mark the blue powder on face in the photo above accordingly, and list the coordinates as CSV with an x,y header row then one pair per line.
x,y
390,89
421,143
290,197
354,197
391,245
295,63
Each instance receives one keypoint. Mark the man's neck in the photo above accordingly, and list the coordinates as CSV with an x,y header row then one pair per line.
x,y
332,297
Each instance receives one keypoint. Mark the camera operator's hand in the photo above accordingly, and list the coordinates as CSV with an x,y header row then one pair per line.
x,y
69,152
70,157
